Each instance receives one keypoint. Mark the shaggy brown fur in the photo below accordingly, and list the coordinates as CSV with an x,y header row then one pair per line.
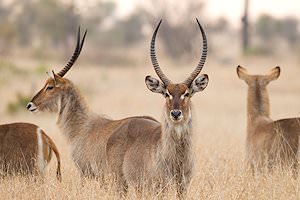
x,y
269,142
87,132
136,150
134,147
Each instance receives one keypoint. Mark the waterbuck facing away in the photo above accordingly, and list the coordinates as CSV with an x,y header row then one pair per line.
x,y
135,148
269,142
25,149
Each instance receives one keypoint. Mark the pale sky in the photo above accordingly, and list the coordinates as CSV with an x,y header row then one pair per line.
x,y
232,9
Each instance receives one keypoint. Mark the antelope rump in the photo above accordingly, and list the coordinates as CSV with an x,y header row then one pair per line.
x,y
26,149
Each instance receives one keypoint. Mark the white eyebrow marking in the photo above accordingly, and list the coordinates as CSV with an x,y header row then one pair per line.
x,y
170,96
182,96
46,87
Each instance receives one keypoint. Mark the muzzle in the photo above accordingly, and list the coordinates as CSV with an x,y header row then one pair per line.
x,y
31,107
176,115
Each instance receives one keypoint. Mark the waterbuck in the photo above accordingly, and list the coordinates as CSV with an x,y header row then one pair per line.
x,y
132,146
161,153
86,131
26,149
269,143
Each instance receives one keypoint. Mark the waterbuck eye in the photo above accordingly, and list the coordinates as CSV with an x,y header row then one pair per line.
x,y
50,87
167,95
187,94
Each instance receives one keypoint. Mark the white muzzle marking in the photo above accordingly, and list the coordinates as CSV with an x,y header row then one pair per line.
x,y
32,107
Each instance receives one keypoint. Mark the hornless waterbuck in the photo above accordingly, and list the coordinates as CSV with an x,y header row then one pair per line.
x,y
26,149
269,142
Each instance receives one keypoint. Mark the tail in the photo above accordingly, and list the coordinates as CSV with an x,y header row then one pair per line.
x,y
56,152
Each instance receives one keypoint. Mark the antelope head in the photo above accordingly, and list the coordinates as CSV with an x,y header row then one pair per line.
x,y
177,95
258,80
48,97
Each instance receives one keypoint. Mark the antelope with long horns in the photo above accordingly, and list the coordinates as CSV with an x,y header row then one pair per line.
x,y
161,153
132,146
26,149
86,131
269,143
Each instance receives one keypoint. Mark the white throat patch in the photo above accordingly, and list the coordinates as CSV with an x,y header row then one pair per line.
x,y
181,129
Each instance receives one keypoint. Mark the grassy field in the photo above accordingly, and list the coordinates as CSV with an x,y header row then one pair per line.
x,y
120,92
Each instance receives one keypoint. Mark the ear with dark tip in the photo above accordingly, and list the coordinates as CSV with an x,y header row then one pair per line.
x,y
274,74
56,78
242,72
51,75
155,85
199,84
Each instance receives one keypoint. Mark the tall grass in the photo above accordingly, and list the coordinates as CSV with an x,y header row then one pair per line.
x,y
220,172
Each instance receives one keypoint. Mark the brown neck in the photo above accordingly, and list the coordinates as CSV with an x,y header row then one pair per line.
x,y
258,104
73,115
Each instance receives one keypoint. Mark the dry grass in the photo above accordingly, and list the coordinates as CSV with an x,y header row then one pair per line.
x,y
220,131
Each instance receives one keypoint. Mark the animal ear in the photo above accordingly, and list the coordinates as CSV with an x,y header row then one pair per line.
x,y
242,72
199,83
56,78
51,75
274,74
155,85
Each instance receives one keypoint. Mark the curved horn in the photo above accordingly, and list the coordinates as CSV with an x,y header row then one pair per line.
x,y
75,54
200,65
155,64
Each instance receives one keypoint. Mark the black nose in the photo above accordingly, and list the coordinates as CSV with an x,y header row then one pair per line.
x,y
176,113
28,106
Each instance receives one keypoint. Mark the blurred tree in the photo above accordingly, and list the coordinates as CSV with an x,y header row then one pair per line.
x,y
99,12
126,31
7,31
177,33
288,29
266,27
245,27
220,25
24,22
52,21
269,28
97,19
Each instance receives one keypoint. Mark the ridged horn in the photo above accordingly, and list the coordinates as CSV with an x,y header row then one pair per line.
x,y
154,61
75,55
200,65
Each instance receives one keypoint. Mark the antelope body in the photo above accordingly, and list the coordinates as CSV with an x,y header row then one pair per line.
x,y
26,149
161,153
134,148
269,143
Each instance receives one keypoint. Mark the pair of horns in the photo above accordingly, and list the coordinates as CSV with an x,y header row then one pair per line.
x,y
157,69
75,55
196,71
